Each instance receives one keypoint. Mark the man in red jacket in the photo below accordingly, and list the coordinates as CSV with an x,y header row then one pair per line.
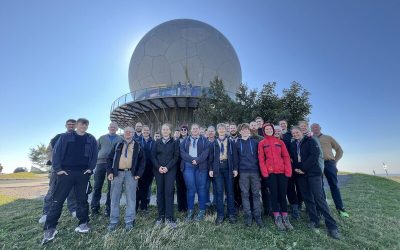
x,y
275,165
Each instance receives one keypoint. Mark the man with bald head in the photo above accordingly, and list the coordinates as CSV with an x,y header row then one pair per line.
x,y
104,144
328,144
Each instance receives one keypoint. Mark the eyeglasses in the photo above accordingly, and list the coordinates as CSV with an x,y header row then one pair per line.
x,y
183,129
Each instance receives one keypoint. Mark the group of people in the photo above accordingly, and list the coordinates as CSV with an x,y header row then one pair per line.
x,y
245,164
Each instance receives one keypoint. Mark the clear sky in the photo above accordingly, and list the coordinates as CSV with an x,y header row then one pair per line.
x,y
70,59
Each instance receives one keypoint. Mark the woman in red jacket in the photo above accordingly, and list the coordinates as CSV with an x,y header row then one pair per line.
x,y
275,165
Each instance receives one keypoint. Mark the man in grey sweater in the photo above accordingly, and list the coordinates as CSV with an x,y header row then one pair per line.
x,y
105,145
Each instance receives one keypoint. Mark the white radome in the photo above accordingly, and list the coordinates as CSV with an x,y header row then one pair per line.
x,y
183,50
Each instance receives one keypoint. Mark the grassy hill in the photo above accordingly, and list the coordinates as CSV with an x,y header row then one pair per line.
x,y
373,204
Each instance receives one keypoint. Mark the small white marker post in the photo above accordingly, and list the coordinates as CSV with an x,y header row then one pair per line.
x,y
385,168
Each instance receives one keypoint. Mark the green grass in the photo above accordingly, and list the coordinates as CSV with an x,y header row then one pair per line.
x,y
373,204
5,199
22,175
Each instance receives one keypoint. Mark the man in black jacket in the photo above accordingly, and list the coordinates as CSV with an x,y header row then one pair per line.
x,y
74,159
304,152
126,164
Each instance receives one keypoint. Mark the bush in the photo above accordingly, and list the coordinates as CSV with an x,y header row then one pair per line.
x,y
20,170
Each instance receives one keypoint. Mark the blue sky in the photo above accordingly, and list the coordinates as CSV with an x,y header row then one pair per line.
x,y
62,59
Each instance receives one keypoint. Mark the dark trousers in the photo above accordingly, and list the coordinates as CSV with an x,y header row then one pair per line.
x,y
237,192
311,191
165,193
293,190
143,188
71,201
214,189
224,180
250,183
265,195
65,183
181,191
278,188
100,174
330,172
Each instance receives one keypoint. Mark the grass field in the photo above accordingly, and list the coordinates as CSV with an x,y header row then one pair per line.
x,y
373,204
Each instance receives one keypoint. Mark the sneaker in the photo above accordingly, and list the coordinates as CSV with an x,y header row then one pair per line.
x,y
219,220
232,219
129,226
83,228
278,223
73,214
248,220
112,227
286,223
334,234
49,235
42,219
201,215
259,222
172,224
343,213
190,215
159,221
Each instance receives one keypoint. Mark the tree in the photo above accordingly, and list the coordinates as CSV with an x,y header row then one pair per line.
x,y
295,103
1,168
217,106
38,155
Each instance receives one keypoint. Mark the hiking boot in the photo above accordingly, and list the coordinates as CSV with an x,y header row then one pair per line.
x,y
42,219
286,222
248,220
259,222
82,228
201,215
343,213
295,212
232,219
334,234
49,235
172,224
129,226
278,223
190,215
112,227
219,220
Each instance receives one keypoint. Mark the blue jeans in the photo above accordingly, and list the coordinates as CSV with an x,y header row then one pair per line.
x,y
224,179
330,172
123,178
208,185
195,181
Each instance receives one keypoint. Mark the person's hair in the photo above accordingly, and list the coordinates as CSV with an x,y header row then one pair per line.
x,y
129,128
301,122
113,124
157,132
194,124
138,123
177,130
277,127
145,126
232,123
315,124
83,121
219,125
70,120
283,120
210,127
258,118
167,125
244,126
295,128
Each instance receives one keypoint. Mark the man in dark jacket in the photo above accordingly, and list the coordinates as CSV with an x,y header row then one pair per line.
x,y
245,156
304,152
71,201
194,151
145,181
223,170
74,159
125,166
